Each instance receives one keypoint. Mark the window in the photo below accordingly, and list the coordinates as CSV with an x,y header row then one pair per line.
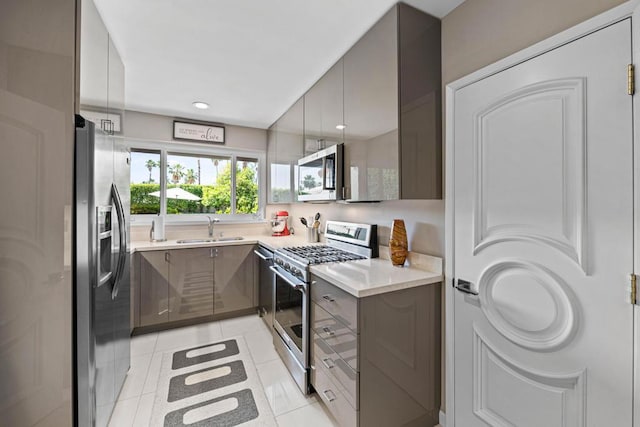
x,y
198,184
246,185
196,181
145,182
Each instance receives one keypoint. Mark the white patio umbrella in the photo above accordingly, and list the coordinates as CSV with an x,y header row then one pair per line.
x,y
177,194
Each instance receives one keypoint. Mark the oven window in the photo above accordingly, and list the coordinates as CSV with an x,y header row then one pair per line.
x,y
288,310
310,177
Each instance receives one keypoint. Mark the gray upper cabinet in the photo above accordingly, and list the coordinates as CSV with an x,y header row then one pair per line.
x,y
101,73
386,94
234,282
274,178
420,108
115,99
371,114
323,111
94,59
191,283
284,148
392,109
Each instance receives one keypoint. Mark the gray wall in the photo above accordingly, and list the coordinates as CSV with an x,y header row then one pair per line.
x,y
160,128
480,32
37,91
424,220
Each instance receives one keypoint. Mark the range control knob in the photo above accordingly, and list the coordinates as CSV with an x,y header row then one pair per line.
x,y
295,271
287,266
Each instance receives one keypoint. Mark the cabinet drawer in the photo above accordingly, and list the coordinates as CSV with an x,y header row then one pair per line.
x,y
337,302
337,336
332,397
337,368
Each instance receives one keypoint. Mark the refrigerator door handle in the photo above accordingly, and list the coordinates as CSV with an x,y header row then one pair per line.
x,y
122,253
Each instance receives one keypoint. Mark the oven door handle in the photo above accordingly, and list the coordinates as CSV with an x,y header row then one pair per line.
x,y
297,286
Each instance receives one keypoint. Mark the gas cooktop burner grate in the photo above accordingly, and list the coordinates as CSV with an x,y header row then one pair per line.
x,y
319,254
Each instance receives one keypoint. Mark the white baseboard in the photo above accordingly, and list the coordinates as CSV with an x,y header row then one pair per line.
x,y
443,419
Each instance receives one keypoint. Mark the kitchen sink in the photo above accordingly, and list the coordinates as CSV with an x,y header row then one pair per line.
x,y
196,240
221,239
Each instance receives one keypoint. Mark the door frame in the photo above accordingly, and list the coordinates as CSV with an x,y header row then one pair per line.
x,y
630,9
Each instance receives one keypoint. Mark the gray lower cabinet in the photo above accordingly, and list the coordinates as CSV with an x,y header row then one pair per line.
x,y
375,361
190,283
183,284
153,281
234,281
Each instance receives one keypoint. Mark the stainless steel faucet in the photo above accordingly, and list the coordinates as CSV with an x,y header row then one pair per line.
x,y
211,222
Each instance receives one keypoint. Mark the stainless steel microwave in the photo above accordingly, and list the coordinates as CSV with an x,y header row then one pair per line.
x,y
320,175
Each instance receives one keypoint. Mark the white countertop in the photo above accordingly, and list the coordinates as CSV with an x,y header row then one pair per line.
x,y
361,278
271,242
373,276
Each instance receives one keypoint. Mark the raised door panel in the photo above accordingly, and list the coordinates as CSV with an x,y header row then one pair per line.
x,y
154,288
234,279
323,111
371,165
191,283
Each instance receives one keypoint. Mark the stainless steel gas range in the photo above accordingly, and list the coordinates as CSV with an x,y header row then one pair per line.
x,y
345,242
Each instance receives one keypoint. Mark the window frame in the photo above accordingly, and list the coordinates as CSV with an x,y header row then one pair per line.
x,y
166,148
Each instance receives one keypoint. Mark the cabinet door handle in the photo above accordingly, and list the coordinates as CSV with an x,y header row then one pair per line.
x,y
330,395
328,298
167,256
263,257
327,330
328,363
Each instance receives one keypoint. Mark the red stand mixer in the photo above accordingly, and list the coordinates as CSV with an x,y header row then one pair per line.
x,y
279,225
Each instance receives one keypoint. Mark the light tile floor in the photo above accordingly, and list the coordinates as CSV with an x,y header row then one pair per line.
x,y
290,407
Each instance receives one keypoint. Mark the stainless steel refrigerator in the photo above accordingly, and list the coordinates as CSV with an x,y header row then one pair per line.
x,y
102,285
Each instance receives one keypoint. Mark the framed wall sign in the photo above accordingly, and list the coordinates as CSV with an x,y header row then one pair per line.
x,y
198,132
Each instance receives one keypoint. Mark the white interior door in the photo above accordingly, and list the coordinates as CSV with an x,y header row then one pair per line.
x,y
543,231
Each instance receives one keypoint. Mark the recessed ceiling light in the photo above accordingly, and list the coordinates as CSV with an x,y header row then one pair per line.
x,y
201,105
340,127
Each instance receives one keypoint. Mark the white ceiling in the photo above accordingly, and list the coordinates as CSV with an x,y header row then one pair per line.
x,y
249,59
